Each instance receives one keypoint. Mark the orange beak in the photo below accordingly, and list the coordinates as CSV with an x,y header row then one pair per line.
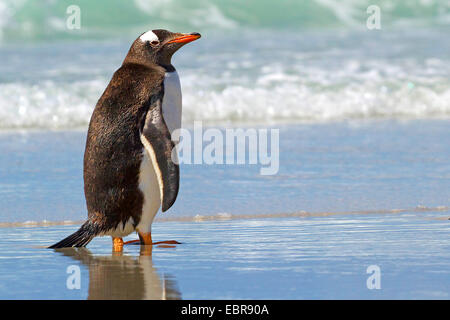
x,y
185,38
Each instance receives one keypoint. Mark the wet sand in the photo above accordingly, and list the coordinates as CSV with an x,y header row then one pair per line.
x,y
309,257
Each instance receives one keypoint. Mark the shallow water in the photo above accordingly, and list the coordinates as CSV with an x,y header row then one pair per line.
x,y
288,258
333,167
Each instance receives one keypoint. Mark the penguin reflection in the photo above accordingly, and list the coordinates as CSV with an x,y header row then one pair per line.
x,y
124,277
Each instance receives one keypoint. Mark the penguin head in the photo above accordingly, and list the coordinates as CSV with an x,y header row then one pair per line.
x,y
158,46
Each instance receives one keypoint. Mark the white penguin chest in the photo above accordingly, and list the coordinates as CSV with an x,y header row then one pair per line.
x,y
171,104
148,181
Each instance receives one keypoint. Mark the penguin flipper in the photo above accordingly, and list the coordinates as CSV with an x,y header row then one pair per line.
x,y
156,138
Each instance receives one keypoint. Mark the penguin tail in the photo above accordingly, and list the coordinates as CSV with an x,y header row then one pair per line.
x,y
79,238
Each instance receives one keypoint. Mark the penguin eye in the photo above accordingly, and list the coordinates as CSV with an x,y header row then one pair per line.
x,y
154,43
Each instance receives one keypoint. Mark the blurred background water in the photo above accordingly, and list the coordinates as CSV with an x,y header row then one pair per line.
x,y
364,114
258,61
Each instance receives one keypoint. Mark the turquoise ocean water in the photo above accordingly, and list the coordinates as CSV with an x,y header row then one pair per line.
x,y
258,61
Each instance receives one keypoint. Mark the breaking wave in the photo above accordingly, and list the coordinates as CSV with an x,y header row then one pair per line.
x,y
236,72
52,105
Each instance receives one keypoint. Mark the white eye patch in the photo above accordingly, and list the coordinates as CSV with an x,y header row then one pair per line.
x,y
149,36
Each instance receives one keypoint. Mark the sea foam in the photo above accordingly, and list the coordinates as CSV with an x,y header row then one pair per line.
x,y
252,77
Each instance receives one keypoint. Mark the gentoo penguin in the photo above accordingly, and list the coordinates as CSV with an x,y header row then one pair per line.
x,y
129,171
